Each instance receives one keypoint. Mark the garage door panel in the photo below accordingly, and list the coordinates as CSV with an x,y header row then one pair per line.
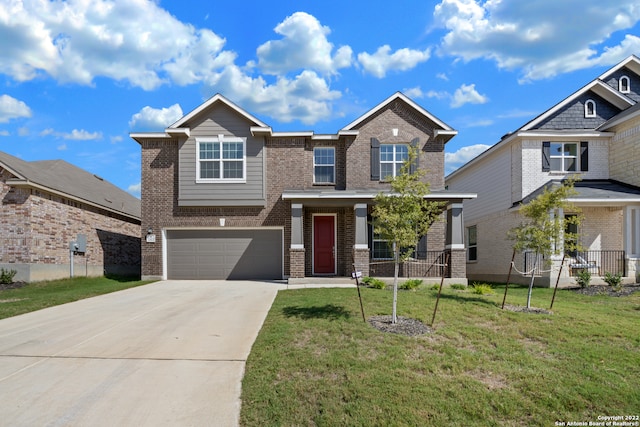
x,y
224,254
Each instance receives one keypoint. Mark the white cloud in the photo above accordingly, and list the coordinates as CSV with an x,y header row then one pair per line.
x,y
467,94
4,132
76,41
307,97
454,160
154,119
81,135
304,46
383,61
75,135
11,108
135,189
116,139
417,93
23,131
62,147
524,35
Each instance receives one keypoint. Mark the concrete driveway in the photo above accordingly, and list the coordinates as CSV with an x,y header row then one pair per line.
x,y
170,353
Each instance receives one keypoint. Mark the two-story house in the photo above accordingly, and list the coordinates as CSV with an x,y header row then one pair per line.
x,y
593,134
224,196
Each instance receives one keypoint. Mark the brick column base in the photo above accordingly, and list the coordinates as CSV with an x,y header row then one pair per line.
x,y
361,260
296,263
457,263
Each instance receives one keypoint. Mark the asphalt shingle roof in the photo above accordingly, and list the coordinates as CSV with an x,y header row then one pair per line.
x,y
63,177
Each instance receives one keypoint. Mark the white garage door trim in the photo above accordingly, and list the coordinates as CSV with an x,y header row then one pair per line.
x,y
165,254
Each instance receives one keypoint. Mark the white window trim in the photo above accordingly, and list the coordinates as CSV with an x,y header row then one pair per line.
x,y
586,108
628,89
220,139
333,178
394,161
562,157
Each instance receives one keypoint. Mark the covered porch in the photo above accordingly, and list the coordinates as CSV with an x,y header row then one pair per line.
x,y
331,235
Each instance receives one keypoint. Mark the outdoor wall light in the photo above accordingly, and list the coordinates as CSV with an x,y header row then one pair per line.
x,y
150,230
222,221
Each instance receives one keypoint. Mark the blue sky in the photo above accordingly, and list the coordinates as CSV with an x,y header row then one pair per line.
x,y
78,76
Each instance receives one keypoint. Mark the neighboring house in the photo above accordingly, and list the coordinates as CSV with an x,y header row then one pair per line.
x,y
47,205
226,197
593,134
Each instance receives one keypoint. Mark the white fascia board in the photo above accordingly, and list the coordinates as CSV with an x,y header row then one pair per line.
x,y
372,195
632,62
137,136
211,101
259,130
603,202
178,131
446,132
305,134
597,86
550,133
397,95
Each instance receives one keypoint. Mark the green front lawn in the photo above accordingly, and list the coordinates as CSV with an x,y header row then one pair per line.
x,y
315,362
39,295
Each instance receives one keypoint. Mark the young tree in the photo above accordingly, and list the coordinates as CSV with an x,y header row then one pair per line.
x,y
403,216
543,228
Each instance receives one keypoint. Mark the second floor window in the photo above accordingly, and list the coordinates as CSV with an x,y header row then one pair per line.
x,y
324,165
221,159
590,108
392,157
623,85
564,156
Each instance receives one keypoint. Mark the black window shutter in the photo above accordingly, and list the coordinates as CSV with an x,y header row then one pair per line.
x,y
546,155
375,159
584,156
416,162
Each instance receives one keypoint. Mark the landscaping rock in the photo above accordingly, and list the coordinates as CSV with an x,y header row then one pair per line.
x,y
14,285
626,290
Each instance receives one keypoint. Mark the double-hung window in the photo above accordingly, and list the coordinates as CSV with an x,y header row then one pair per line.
x,y
392,157
381,249
221,159
564,156
324,165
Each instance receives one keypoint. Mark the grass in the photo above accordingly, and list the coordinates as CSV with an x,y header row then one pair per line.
x,y
315,362
39,295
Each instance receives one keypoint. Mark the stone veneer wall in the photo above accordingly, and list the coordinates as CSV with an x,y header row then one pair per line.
x,y
36,229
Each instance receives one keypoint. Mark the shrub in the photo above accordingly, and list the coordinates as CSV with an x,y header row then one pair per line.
x,y
583,277
613,280
6,276
411,284
481,288
458,286
374,283
434,287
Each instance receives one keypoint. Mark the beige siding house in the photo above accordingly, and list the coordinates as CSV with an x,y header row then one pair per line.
x,y
593,134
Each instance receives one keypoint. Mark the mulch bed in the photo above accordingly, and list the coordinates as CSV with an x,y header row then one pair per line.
x,y
14,285
626,290
403,326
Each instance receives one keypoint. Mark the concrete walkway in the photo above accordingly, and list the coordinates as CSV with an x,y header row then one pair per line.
x,y
170,353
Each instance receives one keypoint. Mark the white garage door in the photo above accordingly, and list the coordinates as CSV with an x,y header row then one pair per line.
x,y
224,254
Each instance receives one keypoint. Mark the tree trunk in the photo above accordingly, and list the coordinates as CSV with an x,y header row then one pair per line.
x,y
533,276
396,269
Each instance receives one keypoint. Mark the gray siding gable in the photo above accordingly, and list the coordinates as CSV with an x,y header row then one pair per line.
x,y
571,116
217,120
634,82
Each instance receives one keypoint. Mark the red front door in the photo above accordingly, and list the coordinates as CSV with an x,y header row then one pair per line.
x,y
324,261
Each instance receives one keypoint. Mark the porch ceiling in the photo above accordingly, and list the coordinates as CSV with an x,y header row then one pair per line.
x,y
323,197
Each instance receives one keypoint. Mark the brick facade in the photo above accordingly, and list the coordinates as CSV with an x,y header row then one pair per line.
x,y
36,228
288,165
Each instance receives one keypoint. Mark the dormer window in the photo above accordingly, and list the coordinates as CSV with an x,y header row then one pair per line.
x,y
624,85
590,108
